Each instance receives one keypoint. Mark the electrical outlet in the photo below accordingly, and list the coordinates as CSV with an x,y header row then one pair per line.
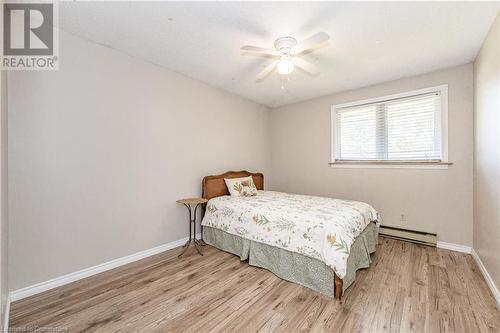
x,y
402,218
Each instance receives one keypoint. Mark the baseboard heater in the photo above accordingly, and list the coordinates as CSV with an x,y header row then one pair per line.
x,y
419,237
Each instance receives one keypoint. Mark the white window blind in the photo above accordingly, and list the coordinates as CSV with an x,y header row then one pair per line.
x,y
405,128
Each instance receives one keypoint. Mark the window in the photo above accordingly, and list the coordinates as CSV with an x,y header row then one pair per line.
x,y
409,128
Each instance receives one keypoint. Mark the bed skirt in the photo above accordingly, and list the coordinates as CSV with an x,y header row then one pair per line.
x,y
295,267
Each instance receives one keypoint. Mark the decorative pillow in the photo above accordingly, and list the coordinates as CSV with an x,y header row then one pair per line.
x,y
243,186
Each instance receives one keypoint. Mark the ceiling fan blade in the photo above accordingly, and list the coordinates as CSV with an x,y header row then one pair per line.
x,y
305,66
311,42
311,49
256,49
260,55
269,68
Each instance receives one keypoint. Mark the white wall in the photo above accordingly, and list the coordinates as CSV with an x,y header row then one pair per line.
x,y
487,153
4,228
438,201
100,150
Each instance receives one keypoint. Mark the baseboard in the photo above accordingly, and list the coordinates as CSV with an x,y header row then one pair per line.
x,y
487,277
454,247
5,321
75,276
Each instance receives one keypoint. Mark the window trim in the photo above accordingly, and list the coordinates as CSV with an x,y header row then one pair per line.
x,y
442,164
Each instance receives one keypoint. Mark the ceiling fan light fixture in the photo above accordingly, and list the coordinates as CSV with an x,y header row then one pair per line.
x,y
285,50
284,67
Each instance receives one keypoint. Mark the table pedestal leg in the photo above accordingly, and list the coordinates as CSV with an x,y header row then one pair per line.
x,y
193,233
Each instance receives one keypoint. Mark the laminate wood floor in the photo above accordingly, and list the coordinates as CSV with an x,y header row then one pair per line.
x,y
408,288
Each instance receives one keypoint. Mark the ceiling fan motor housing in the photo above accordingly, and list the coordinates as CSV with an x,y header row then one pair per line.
x,y
284,45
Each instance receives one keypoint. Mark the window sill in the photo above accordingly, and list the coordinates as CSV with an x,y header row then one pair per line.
x,y
390,165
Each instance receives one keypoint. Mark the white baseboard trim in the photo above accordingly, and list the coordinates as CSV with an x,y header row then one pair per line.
x,y
5,322
454,247
487,277
75,276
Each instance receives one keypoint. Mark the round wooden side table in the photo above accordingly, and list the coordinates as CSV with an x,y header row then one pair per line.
x,y
189,203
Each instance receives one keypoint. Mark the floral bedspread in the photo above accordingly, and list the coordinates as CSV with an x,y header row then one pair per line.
x,y
318,227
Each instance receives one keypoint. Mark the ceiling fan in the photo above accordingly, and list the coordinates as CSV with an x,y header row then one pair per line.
x,y
287,53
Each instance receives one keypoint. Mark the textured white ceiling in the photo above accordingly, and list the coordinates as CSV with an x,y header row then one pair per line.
x,y
371,42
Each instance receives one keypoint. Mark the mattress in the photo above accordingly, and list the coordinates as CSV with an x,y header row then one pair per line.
x,y
316,227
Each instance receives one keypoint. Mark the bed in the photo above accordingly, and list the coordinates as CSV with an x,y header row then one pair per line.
x,y
314,241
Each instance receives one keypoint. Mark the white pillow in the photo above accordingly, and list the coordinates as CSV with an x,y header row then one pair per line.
x,y
243,186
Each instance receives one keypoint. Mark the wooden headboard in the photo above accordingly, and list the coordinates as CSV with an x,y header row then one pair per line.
x,y
215,186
